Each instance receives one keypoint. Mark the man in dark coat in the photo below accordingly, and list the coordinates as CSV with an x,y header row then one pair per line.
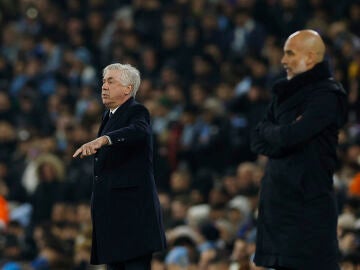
x,y
127,223
297,216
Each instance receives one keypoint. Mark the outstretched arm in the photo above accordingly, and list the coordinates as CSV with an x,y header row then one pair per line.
x,y
92,147
135,132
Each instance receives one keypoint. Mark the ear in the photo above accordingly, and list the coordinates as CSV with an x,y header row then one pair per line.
x,y
128,89
310,59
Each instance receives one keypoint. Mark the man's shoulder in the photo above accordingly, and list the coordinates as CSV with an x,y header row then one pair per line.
x,y
136,106
329,85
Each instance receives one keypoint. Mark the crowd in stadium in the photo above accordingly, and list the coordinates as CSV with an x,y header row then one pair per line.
x,y
207,68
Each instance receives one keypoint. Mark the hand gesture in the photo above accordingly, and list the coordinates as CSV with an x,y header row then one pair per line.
x,y
91,148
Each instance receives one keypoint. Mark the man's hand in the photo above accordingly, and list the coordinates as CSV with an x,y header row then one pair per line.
x,y
91,148
263,126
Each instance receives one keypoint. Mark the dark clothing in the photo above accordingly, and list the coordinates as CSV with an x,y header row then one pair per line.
x,y
141,263
297,211
79,176
125,208
46,195
209,145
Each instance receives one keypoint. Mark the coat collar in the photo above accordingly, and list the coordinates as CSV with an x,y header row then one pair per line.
x,y
107,123
123,106
286,88
120,108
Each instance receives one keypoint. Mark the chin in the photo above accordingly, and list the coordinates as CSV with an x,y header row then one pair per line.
x,y
106,104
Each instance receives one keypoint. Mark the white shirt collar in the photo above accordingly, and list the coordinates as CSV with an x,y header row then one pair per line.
x,y
114,110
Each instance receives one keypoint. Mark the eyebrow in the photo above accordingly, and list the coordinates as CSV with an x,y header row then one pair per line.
x,y
108,78
288,51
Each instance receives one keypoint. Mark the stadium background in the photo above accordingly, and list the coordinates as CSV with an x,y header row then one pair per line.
x,y
207,68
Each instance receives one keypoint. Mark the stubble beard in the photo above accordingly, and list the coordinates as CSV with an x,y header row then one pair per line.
x,y
300,68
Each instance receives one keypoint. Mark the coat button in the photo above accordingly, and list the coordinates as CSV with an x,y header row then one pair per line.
x,y
121,139
96,177
96,159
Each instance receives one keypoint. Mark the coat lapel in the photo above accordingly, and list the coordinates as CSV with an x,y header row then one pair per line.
x,y
105,119
118,116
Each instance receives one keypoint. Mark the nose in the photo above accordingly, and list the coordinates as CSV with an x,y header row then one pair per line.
x,y
283,59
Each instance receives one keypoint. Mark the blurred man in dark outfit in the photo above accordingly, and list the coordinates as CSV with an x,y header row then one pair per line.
x,y
127,225
297,213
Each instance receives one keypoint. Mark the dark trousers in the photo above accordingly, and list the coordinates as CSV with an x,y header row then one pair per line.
x,y
140,263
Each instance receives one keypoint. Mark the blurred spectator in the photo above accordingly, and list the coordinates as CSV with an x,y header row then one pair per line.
x,y
248,35
7,140
350,261
180,183
49,189
207,69
183,254
240,257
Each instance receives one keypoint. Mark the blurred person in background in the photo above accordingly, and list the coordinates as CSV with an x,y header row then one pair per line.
x,y
52,53
50,188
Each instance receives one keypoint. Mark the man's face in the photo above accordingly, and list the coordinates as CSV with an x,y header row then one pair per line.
x,y
113,92
294,59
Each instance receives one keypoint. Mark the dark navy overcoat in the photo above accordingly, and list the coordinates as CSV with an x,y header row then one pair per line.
x,y
297,216
125,208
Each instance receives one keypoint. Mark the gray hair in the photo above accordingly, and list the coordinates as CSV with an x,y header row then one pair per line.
x,y
129,75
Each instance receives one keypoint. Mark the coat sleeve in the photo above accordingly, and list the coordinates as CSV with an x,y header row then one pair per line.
x,y
260,146
258,143
320,111
136,131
